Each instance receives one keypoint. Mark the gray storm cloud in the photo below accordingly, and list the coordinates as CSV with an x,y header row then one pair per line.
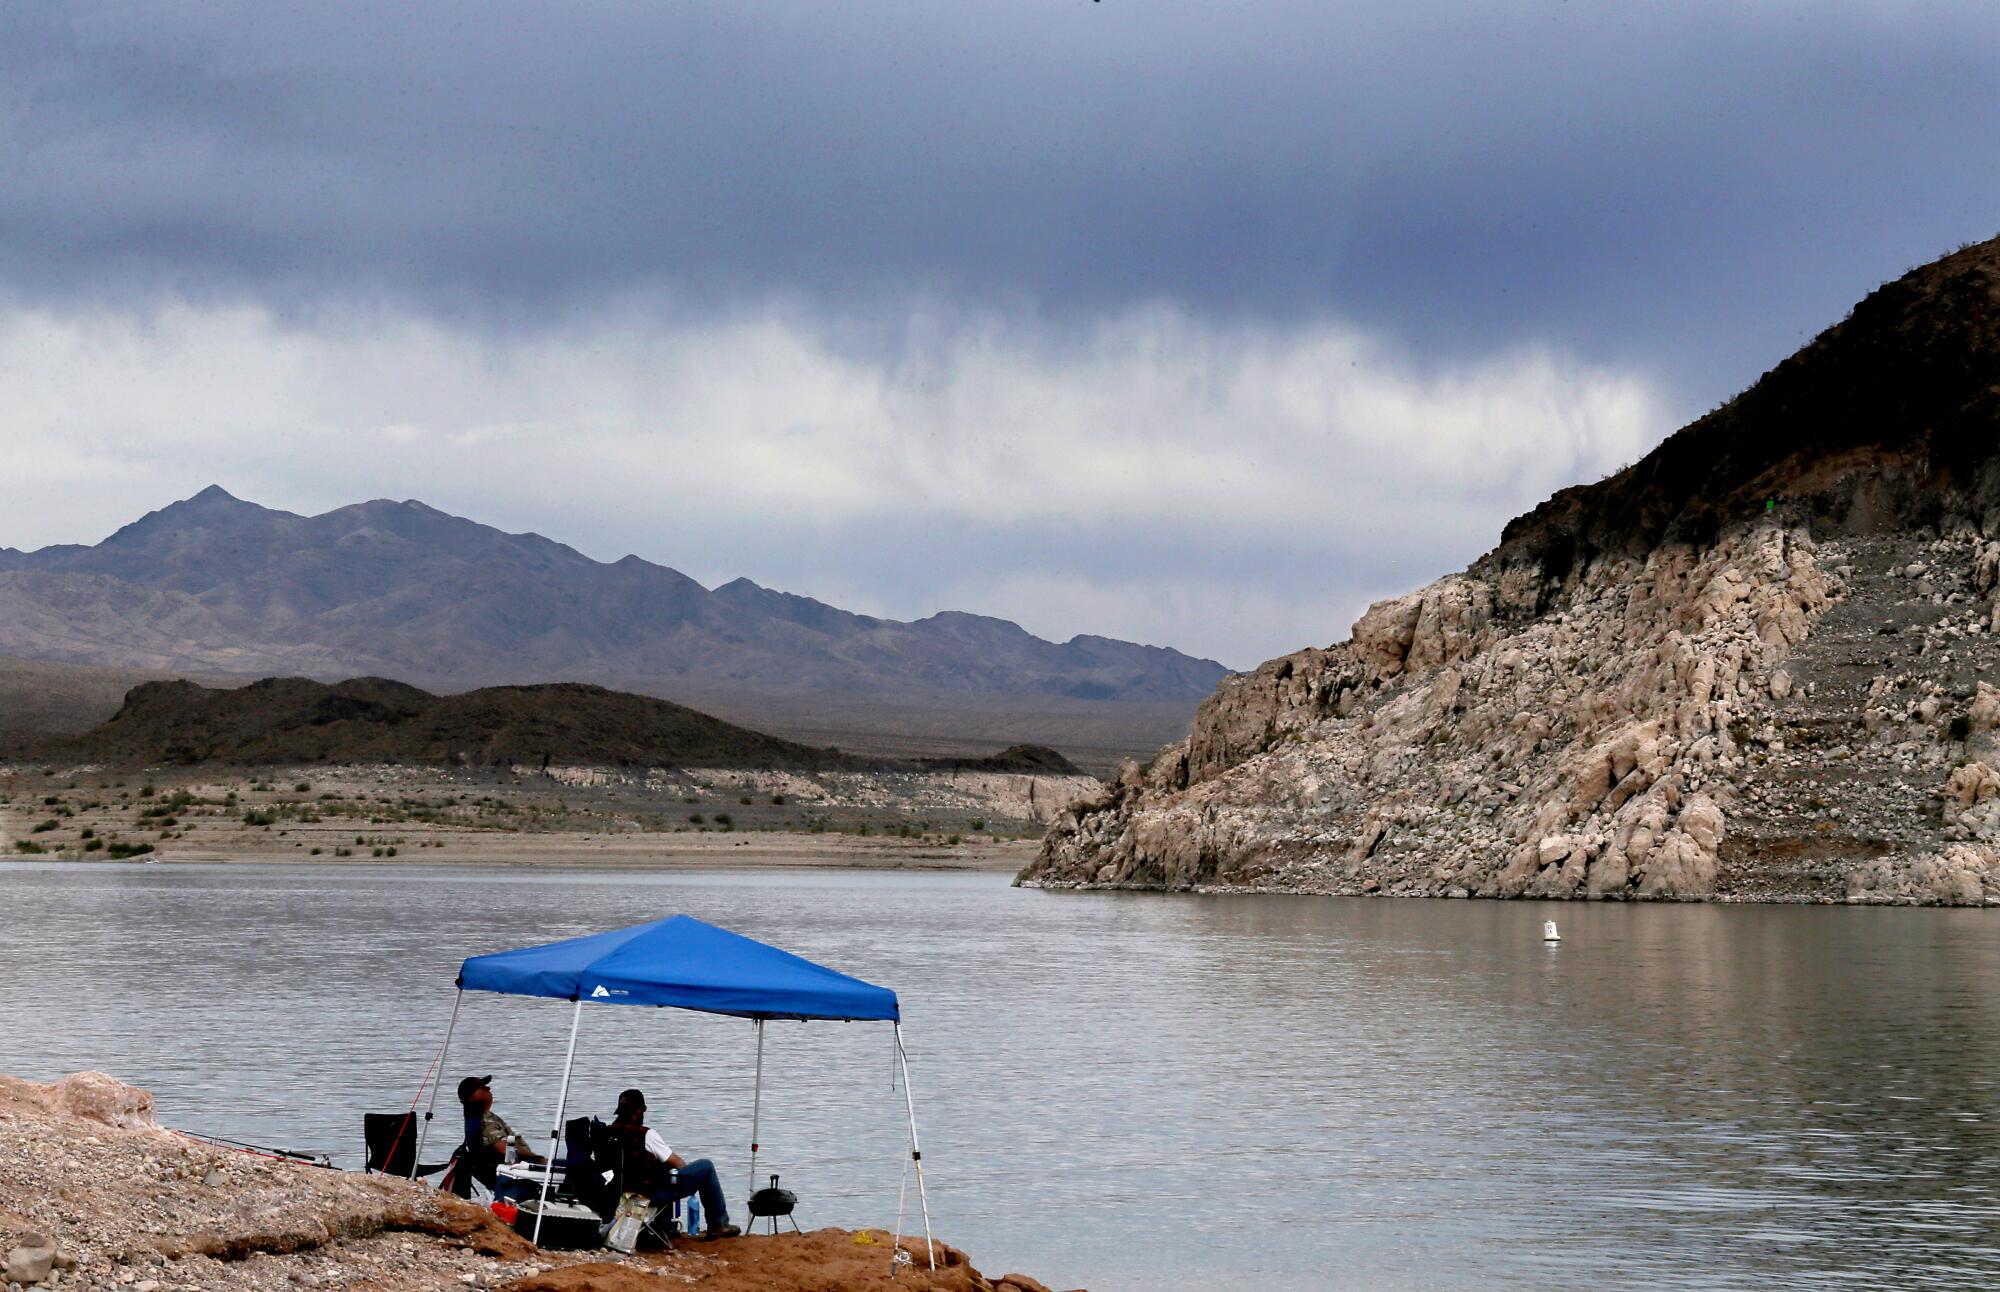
x,y
1175,321
1162,477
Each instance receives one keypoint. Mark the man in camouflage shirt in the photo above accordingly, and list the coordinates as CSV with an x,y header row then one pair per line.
x,y
487,1137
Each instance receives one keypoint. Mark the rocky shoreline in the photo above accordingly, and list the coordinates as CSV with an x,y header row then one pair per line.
x,y
555,816
95,1196
1755,666
1773,719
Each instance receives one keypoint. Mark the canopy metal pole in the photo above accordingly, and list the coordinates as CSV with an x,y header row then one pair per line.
x,y
756,1106
916,1150
443,1050
555,1138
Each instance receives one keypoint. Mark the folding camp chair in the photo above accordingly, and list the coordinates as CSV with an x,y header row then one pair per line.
x,y
391,1140
660,1223
606,1169
582,1176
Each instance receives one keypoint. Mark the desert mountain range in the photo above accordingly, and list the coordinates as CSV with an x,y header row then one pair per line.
x,y
1757,664
214,586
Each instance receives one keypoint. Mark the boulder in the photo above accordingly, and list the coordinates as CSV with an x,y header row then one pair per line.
x,y
1383,634
100,1097
30,1262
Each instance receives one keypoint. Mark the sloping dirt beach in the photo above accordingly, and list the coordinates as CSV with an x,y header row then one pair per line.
x,y
94,1194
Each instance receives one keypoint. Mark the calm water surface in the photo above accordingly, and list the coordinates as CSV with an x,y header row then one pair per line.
x,y
1129,1091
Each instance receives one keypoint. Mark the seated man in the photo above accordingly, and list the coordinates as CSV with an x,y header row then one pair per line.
x,y
487,1138
645,1160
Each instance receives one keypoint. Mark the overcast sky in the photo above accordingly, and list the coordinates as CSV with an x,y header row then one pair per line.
x,y
1197,324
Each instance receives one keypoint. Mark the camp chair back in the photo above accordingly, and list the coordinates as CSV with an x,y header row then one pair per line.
x,y
582,1171
391,1140
579,1142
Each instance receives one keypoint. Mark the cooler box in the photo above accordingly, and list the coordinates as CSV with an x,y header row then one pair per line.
x,y
566,1226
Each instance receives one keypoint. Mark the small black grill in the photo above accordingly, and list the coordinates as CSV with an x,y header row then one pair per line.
x,y
772,1202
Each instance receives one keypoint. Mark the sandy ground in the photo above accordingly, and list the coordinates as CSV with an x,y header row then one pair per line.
x,y
581,817
622,851
95,1195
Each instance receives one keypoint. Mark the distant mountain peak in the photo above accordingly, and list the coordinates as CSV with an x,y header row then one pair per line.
x,y
211,501
402,589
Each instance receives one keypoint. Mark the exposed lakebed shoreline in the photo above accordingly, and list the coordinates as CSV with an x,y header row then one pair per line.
x,y
94,1194
564,816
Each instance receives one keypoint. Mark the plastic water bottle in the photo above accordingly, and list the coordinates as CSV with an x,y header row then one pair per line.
x,y
694,1215
512,1155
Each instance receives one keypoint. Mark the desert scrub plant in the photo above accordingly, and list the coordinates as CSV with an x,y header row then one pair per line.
x,y
119,850
43,827
28,845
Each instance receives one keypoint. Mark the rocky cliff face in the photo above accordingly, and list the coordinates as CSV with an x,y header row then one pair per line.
x,y
1752,666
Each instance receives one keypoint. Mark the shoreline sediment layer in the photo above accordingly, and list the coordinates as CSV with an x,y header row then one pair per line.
x,y
94,1194
1769,718
620,818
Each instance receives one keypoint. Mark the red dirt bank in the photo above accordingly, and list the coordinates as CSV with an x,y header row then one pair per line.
x,y
85,1172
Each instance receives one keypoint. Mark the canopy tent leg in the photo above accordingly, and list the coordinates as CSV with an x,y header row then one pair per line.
x,y
555,1138
756,1107
916,1150
425,1132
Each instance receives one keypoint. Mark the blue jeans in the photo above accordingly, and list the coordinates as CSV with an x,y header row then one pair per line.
x,y
699,1177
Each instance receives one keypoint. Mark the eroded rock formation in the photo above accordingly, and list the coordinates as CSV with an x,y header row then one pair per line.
x,y
1751,666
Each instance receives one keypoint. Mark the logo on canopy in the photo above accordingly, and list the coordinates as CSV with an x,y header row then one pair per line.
x,y
599,993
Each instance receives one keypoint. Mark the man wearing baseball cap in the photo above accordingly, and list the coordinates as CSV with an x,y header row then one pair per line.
x,y
646,1157
487,1137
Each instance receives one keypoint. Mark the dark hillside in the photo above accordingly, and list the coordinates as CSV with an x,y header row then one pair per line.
x,y
295,720
292,720
1886,420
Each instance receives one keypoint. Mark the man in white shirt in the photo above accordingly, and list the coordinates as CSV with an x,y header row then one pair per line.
x,y
648,1158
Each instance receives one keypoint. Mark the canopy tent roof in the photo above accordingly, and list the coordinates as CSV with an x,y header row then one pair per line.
x,y
684,963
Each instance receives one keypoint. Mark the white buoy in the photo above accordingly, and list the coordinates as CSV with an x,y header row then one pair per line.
x,y
1549,933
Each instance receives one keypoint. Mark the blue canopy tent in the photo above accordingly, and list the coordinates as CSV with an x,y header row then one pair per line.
x,y
683,963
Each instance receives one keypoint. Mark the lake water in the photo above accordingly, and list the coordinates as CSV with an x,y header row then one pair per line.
x,y
1128,1091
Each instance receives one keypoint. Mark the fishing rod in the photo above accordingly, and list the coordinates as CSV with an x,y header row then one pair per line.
x,y
259,1150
